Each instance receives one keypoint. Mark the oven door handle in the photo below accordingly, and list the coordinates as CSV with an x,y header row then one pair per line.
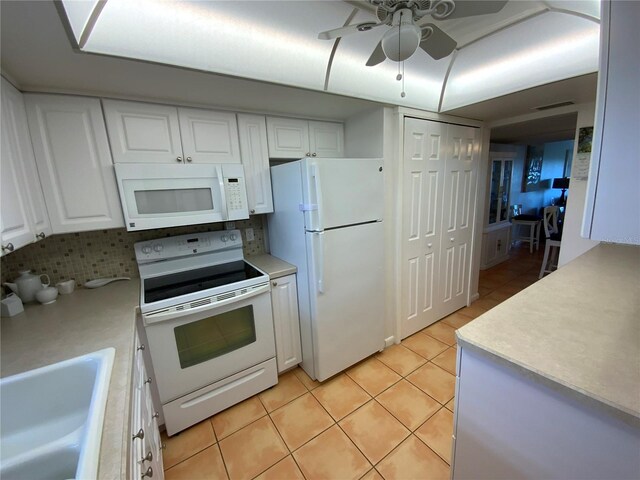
x,y
170,314
223,193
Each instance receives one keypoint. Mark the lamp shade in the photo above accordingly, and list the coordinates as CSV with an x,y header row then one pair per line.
x,y
562,183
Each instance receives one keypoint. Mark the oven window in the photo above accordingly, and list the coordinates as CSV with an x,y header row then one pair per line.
x,y
178,200
211,337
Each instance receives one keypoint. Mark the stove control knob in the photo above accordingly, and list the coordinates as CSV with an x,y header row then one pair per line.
x,y
158,247
224,238
146,249
233,237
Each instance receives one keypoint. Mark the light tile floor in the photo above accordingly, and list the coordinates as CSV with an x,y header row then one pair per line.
x,y
390,416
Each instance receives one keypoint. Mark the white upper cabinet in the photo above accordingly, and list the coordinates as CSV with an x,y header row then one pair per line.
x,y
143,132
209,137
23,214
74,163
288,137
611,211
255,159
150,133
326,139
293,138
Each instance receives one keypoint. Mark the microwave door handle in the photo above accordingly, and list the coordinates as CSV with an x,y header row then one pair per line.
x,y
223,194
316,180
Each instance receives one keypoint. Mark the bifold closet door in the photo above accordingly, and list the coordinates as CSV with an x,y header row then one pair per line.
x,y
423,181
440,165
461,170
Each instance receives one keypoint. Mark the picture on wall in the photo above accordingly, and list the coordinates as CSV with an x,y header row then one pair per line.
x,y
532,168
583,156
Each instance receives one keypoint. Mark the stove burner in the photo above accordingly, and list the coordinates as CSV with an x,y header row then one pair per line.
x,y
183,283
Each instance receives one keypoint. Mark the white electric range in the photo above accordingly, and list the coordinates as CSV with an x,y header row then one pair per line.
x,y
207,316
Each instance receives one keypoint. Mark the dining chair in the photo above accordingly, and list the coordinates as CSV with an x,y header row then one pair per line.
x,y
553,238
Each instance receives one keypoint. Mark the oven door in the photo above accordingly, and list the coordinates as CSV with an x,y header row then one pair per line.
x,y
192,350
156,196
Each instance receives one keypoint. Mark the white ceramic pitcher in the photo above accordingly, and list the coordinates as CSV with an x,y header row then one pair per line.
x,y
27,284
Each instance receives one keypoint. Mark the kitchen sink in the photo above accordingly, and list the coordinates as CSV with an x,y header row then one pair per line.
x,y
51,418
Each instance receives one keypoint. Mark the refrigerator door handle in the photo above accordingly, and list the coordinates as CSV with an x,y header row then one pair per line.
x,y
223,193
319,261
318,186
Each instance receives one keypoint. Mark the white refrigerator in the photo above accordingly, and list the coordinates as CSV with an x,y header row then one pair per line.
x,y
327,221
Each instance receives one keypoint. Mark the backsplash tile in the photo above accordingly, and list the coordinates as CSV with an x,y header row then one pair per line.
x,y
105,253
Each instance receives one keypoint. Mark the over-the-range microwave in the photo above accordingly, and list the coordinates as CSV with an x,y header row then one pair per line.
x,y
163,195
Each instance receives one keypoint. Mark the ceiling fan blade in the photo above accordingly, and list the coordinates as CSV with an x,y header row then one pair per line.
x,y
377,56
469,8
348,30
437,44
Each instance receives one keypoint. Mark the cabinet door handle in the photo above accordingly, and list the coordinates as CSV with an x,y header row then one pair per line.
x,y
452,239
148,380
147,458
314,154
429,245
275,284
308,154
155,415
141,347
252,211
139,435
178,159
41,235
8,246
189,159
148,473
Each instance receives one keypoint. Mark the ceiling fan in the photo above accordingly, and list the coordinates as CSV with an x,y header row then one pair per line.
x,y
405,35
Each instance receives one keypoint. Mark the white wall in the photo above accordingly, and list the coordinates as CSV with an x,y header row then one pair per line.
x,y
573,244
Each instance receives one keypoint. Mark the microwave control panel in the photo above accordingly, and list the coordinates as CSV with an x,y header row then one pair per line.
x,y
236,198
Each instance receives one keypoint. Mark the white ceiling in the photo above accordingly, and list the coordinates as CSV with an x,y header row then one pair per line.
x,y
37,55
527,43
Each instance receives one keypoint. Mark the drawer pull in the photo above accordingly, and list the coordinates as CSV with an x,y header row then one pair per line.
x,y
8,246
41,235
148,380
139,435
155,415
147,458
141,347
148,473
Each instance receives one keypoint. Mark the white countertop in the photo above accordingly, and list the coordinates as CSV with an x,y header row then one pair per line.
x,y
82,322
578,329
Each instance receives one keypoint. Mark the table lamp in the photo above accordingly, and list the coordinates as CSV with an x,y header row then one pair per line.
x,y
562,183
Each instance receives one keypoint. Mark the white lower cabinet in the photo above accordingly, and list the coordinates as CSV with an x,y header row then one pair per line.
x,y
145,458
23,215
495,245
74,162
286,322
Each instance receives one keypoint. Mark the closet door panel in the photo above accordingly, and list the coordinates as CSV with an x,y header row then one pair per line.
x,y
422,206
459,200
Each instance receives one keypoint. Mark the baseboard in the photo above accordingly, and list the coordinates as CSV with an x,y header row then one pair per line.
x,y
474,297
389,341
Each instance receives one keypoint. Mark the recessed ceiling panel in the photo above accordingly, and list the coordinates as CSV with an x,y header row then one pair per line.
x,y
590,8
423,76
468,29
543,49
272,41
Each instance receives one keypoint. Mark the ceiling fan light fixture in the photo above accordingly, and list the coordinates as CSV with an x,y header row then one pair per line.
x,y
401,41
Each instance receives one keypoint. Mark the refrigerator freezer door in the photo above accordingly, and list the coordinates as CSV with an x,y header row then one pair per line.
x,y
342,191
346,287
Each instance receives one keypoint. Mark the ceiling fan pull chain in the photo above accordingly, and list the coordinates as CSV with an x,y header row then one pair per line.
x,y
402,94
